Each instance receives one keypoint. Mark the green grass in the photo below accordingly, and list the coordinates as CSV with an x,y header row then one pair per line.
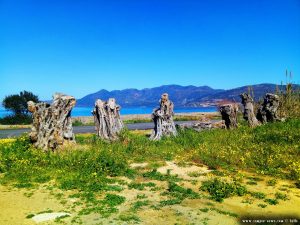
x,y
91,167
272,182
140,186
271,149
139,204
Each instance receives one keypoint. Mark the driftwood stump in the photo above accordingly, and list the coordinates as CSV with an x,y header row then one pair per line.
x,y
249,115
163,119
108,123
52,124
229,115
267,112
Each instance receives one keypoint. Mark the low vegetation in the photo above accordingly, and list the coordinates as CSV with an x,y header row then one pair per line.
x,y
271,149
96,172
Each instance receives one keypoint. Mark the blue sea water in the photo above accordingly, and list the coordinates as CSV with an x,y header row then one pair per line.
x,y
86,111
4,112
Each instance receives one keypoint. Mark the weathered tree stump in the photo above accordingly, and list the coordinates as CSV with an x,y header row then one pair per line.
x,y
267,112
163,119
249,115
108,123
229,115
52,124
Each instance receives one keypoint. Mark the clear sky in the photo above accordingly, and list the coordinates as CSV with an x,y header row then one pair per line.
x,y
81,46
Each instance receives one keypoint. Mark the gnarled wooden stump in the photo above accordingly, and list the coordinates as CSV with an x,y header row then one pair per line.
x,y
249,115
267,112
108,123
229,115
163,119
52,124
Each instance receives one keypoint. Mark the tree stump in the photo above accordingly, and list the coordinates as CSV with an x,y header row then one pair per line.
x,y
267,112
52,124
108,123
229,115
163,119
249,115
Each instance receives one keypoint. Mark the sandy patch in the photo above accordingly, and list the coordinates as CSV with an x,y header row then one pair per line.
x,y
15,206
182,172
138,165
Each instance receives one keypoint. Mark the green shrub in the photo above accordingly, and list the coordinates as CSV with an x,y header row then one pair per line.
x,y
271,201
219,189
258,195
281,196
18,119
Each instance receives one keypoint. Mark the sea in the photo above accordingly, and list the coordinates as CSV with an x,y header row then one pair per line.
x,y
86,111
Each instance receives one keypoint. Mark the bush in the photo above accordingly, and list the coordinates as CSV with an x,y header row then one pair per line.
x,y
289,101
75,169
269,149
219,189
19,119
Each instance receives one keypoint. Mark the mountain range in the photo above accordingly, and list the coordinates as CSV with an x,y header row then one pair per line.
x,y
182,96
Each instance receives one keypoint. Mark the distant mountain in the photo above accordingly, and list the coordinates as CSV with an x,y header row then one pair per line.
x,y
259,90
182,96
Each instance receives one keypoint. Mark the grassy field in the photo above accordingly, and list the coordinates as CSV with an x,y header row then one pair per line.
x,y
194,178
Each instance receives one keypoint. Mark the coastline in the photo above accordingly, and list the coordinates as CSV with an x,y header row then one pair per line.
x,y
142,117
132,118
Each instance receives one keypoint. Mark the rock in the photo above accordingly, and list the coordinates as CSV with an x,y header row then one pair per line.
x,y
163,119
52,124
229,115
49,216
108,123
203,125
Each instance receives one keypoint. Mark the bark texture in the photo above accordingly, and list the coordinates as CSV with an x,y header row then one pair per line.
x,y
52,124
249,115
163,119
108,123
267,112
229,115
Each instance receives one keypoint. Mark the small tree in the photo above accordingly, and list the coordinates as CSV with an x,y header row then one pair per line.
x,y
18,103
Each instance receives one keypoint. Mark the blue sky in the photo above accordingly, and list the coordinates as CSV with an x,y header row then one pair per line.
x,y
81,46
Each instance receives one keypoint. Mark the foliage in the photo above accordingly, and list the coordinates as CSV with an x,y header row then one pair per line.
x,y
219,189
258,195
90,167
75,169
139,204
18,103
18,119
289,99
270,149
271,201
140,186
271,182
179,192
281,196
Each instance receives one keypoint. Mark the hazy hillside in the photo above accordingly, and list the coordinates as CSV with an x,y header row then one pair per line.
x,y
182,96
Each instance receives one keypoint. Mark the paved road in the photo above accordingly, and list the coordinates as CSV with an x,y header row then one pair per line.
x,y
82,129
